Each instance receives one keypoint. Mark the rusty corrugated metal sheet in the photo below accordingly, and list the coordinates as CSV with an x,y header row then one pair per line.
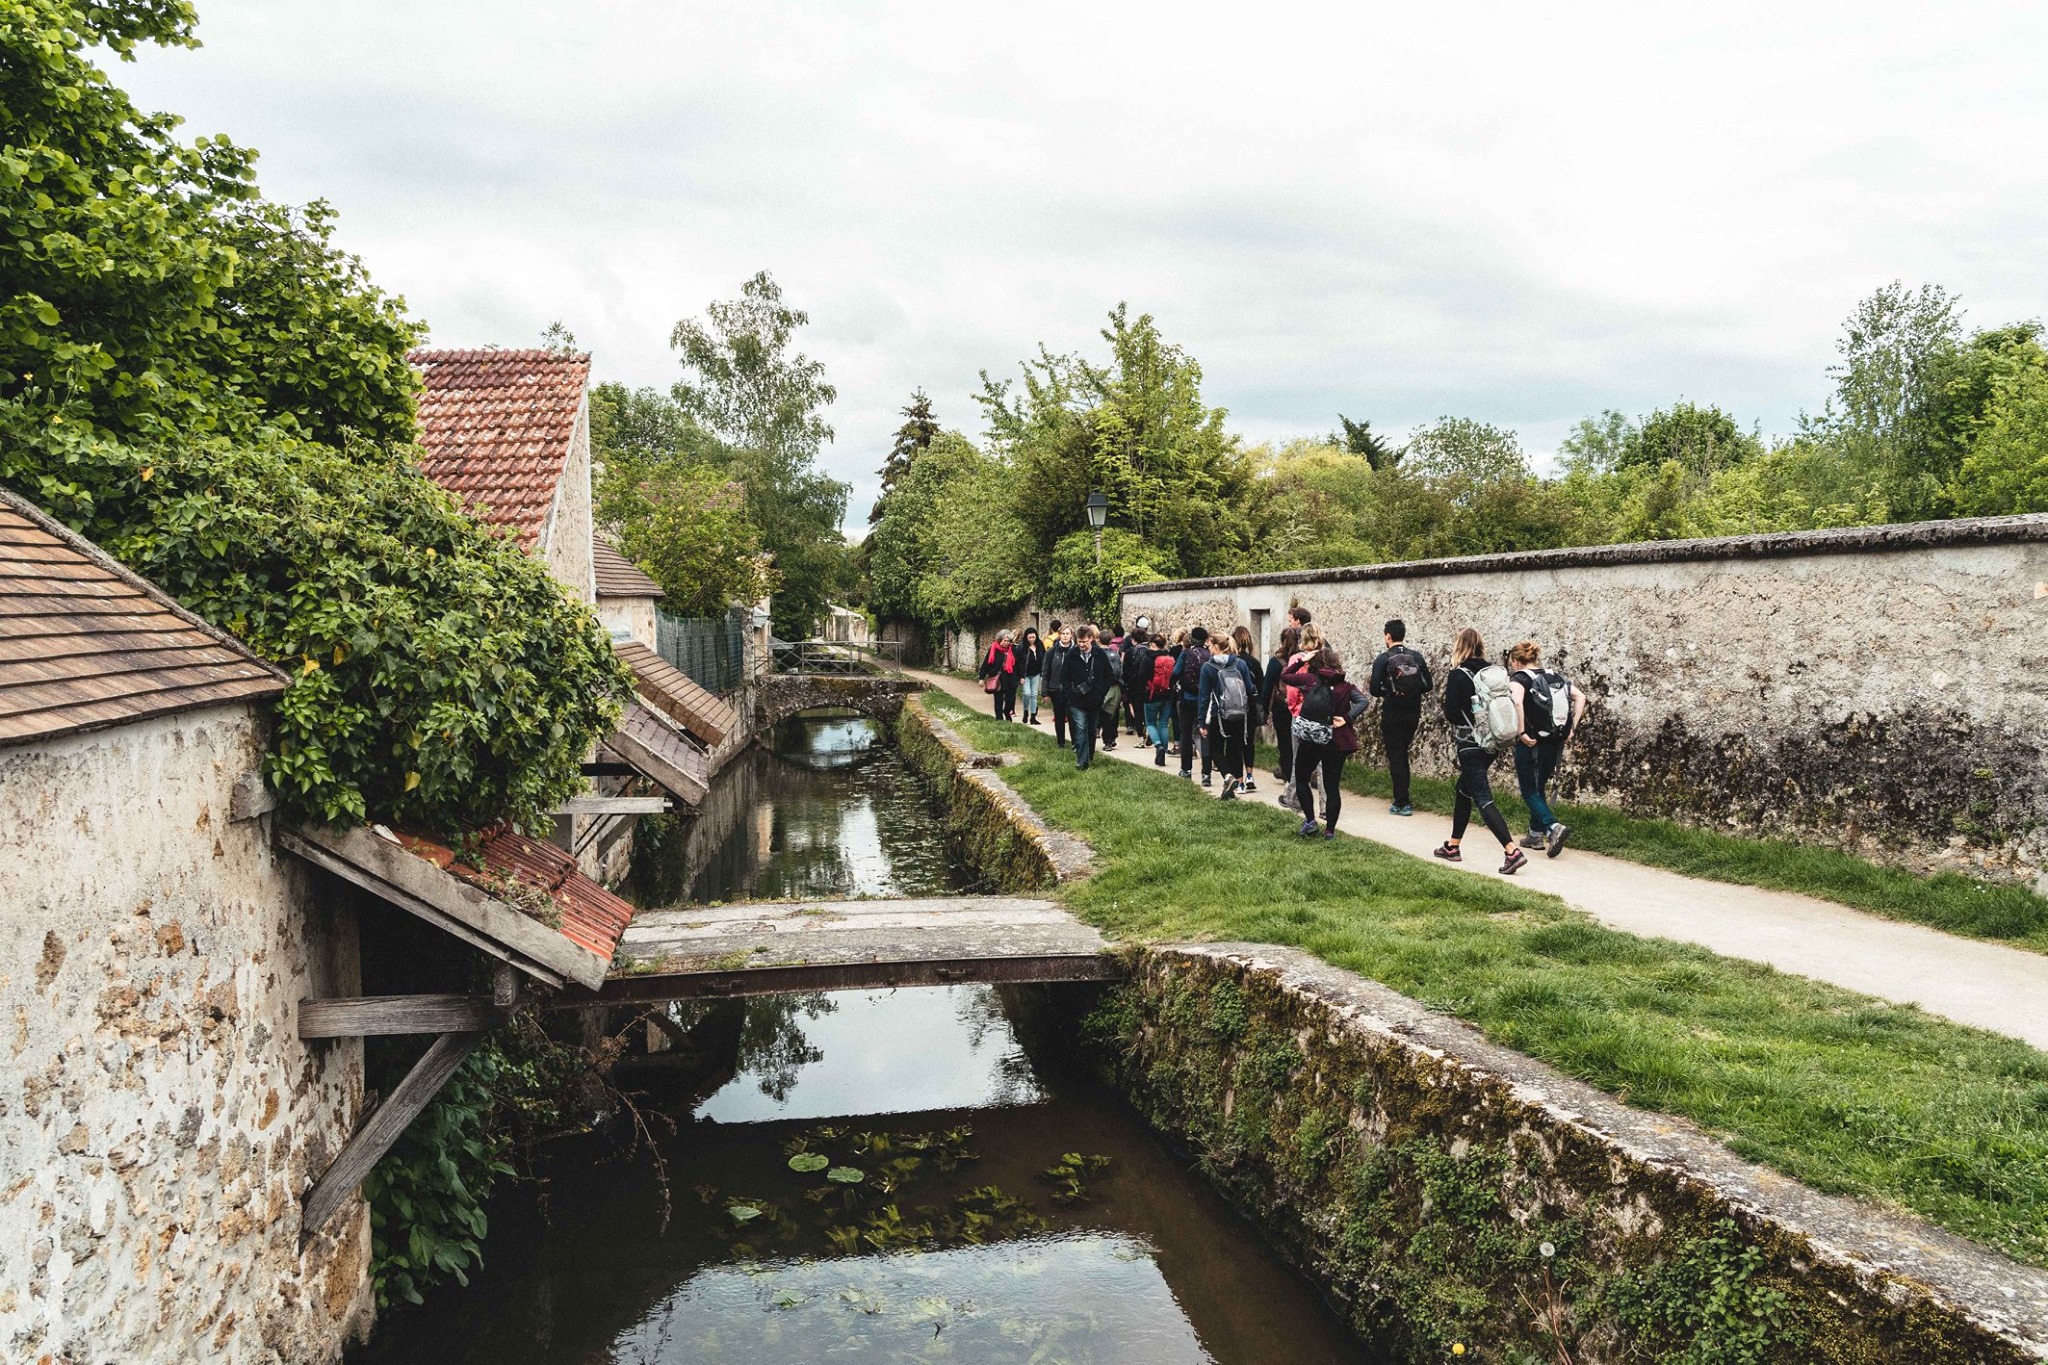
x,y
495,427
84,643
591,917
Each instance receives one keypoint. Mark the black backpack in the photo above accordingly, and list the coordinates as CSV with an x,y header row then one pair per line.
x,y
1546,702
1404,674
1191,680
1319,703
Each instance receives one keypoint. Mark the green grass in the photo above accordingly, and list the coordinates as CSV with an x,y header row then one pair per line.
x,y
1959,905
1842,1091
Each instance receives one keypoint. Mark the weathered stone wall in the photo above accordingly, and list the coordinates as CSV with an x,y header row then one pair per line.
x,y
566,542
989,826
160,1118
1883,689
1456,1198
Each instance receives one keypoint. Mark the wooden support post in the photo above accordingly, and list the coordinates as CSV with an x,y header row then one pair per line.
x,y
504,986
381,1129
378,1016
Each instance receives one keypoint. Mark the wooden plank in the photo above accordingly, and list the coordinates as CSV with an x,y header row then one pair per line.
x,y
684,785
377,1016
527,939
398,896
384,1126
854,976
613,805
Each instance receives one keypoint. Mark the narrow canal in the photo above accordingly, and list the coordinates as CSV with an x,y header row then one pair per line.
x,y
872,1176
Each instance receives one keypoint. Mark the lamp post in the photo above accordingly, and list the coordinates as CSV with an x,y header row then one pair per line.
x,y
1098,517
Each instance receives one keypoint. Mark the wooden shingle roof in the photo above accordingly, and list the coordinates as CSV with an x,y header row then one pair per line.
x,y
84,643
677,695
618,576
495,427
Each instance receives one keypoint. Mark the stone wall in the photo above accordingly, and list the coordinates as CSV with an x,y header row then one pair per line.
x,y
160,1118
566,543
1882,689
1457,1199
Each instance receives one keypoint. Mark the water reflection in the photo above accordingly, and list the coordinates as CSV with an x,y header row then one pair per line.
x,y
823,808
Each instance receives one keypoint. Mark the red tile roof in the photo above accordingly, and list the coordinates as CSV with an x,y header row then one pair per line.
x,y
676,694
496,426
592,918
618,576
84,643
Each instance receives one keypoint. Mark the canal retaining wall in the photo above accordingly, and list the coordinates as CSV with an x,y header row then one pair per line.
x,y
1456,1198
1883,689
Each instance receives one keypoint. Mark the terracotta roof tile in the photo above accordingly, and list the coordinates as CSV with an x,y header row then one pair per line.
x,y
84,643
496,426
618,576
676,694
592,918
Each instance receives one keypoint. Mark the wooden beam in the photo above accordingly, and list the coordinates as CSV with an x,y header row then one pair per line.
x,y
378,1016
384,1126
613,805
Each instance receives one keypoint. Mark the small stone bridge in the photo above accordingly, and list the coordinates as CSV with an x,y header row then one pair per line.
x,y
877,695
768,947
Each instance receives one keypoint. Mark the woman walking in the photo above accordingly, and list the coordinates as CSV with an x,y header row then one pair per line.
x,y
1323,737
1030,673
999,675
1475,694
1308,643
1055,681
1180,643
1224,706
1248,655
1273,698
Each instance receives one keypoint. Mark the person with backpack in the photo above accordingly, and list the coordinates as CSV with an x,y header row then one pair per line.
x,y
1484,722
1178,648
1550,707
1030,672
1324,735
1187,681
999,675
1088,672
1400,679
1134,681
1308,643
1248,655
1159,698
1273,701
1055,682
1224,710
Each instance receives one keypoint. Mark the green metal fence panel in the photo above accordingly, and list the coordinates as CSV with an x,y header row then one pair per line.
x,y
712,652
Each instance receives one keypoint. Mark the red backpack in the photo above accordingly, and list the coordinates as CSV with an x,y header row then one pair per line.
x,y
1162,678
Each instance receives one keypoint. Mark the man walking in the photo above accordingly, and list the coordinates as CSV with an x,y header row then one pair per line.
x,y
1087,672
1055,683
1400,679
1187,681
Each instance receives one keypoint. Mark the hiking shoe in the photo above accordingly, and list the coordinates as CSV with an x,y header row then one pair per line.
x,y
1307,830
1230,789
1159,758
1404,810
1449,853
1558,834
1289,799
1532,840
1515,862
1188,773
1205,780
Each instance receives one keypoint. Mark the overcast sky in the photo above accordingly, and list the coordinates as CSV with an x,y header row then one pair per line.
x,y
1518,213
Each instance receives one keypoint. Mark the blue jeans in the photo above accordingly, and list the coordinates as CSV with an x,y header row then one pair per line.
x,y
1027,694
1159,722
1534,767
1081,720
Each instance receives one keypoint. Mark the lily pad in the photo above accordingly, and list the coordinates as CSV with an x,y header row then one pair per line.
x,y
742,1213
846,1175
806,1162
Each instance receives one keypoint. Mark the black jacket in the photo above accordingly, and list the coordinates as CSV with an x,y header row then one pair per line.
x,y
1056,667
1086,677
1030,658
1380,687
1458,695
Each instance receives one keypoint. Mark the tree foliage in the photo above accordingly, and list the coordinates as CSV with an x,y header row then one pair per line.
x,y
913,438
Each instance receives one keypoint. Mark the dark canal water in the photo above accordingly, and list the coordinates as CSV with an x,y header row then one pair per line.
x,y
875,1176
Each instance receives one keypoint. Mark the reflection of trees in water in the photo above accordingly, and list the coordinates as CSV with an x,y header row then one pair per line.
x,y
772,1043
980,1011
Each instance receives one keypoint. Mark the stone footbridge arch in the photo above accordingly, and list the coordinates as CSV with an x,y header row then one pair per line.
x,y
878,696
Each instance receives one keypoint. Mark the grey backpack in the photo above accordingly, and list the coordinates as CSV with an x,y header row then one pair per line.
x,y
1496,722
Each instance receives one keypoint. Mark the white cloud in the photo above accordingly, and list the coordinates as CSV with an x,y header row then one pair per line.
x,y
1517,213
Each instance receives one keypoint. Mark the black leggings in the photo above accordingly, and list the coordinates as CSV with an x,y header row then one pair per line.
x,y
1475,789
1056,702
1227,738
1283,740
1310,759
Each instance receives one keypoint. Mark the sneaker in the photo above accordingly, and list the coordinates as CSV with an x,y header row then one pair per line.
x,y
1159,757
1173,748
1307,830
1329,833
1205,779
1188,773
1515,862
1230,789
1558,834
1532,840
1289,799
1401,810
1249,786
1449,853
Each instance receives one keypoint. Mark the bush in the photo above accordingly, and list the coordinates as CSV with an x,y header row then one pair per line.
x,y
439,677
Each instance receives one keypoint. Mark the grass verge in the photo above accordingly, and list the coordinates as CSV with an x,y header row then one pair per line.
x,y
1844,1092
1956,904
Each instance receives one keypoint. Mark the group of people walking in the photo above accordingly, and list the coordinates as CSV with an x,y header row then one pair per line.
x,y
1210,696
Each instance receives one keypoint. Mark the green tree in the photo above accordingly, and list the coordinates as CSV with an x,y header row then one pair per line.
x,y
1465,453
982,558
1899,350
913,438
903,546
1359,439
144,285
1698,439
688,528
1600,444
2006,470
1076,579
765,402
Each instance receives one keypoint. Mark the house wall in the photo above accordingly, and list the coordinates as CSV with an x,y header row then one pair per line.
x,y
161,1118
962,647
566,545
632,615
1882,689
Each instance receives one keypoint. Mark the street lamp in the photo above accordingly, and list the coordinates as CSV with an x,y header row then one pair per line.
x,y
1098,517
